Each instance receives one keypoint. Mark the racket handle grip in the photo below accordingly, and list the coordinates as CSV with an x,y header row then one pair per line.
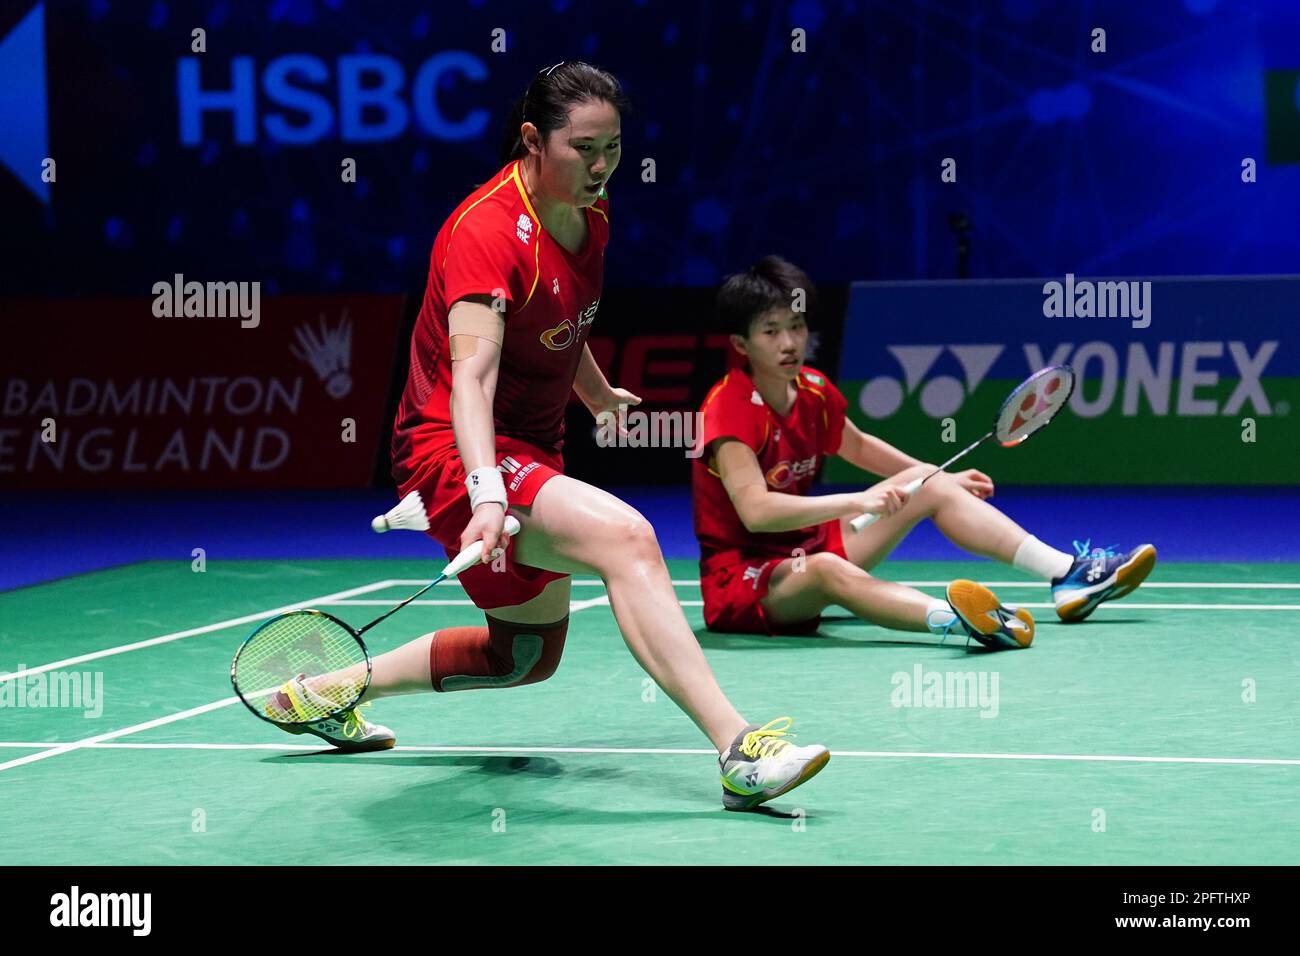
x,y
862,522
473,554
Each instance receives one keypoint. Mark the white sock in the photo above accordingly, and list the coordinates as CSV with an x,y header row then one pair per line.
x,y
939,617
1040,560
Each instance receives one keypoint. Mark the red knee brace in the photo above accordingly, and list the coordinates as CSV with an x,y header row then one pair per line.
x,y
499,655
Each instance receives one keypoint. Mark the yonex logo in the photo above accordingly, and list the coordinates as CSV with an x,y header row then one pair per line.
x,y
1172,378
942,395
752,574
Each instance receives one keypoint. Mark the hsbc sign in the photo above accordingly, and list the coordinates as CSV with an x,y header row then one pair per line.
x,y
298,99
1171,376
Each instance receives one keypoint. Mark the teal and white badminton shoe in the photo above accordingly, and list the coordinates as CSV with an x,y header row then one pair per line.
x,y
1097,575
761,765
349,731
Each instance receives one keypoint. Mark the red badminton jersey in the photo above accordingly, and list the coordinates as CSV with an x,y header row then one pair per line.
x,y
494,244
790,449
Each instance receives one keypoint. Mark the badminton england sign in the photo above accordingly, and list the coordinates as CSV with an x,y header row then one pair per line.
x,y
107,394
1161,403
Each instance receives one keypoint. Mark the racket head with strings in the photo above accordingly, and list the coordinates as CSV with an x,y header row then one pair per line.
x,y
1032,404
300,642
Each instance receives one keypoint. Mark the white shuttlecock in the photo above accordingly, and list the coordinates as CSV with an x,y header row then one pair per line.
x,y
408,515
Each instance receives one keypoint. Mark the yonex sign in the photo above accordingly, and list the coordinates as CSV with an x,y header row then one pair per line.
x,y
1168,376
1203,395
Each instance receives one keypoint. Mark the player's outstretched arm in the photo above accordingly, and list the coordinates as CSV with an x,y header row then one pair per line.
x,y
761,510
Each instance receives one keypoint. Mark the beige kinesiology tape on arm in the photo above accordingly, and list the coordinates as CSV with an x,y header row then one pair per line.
x,y
467,325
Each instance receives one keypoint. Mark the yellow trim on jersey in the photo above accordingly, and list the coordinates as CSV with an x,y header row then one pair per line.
x,y
523,194
537,274
488,195
707,399
714,391
456,224
601,212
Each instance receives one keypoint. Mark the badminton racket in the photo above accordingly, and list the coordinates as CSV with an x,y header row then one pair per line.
x,y
1031,405
308,641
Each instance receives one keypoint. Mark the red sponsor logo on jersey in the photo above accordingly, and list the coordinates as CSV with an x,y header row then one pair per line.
x,y
785,473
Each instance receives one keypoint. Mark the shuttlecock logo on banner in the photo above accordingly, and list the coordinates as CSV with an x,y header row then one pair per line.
x,y
329,352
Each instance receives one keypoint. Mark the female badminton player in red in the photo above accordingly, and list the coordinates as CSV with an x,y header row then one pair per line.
x,y
773,557
514,285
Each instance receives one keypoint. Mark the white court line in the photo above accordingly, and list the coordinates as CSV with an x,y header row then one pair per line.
x,y
1129,605
683,751
603,600
193,631
1134,606
54,751
455,602
576,582
1191,585
694,582
100,738
389,602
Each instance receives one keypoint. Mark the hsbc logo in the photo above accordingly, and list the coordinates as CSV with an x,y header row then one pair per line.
x,y
1167,377
302,98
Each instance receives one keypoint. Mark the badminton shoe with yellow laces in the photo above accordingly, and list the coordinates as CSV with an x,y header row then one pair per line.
x,y
1097,575
348,731
761,765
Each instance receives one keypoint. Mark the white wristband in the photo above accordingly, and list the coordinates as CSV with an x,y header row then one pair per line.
x,y
485,484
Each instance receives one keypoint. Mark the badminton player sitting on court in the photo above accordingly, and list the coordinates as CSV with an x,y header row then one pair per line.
x,y
500,341
772,557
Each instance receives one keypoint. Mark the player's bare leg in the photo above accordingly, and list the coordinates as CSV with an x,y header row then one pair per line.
x,y
1079,583
971,523
407,669
801,589
573,527
796,595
